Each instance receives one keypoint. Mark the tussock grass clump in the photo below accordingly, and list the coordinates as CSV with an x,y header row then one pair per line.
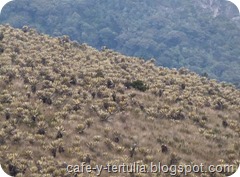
x,y
62,102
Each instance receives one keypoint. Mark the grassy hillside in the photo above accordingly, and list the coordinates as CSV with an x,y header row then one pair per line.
x,y
65,103
200,35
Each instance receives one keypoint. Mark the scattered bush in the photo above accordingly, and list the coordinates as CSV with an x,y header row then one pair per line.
x,y
138,84
1,36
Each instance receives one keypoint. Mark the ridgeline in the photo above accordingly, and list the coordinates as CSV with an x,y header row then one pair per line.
x,y
201,35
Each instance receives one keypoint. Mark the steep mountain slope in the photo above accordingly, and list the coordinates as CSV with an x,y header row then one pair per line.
x,y
201,35
63,103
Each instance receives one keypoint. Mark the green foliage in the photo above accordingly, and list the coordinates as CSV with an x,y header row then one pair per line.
x,y
139,85
176,33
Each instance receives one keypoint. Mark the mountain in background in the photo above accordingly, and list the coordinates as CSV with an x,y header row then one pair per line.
x,y
201,35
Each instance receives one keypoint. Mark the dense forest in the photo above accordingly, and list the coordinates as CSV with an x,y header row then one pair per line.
x,y
201,35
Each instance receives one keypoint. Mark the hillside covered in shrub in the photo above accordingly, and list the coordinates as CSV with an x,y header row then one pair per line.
x,y
64,103
201,35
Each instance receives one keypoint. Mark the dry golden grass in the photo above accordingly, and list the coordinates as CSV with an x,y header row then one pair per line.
x,y
65,102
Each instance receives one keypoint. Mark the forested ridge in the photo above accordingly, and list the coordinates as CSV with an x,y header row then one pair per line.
x,y
200,35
